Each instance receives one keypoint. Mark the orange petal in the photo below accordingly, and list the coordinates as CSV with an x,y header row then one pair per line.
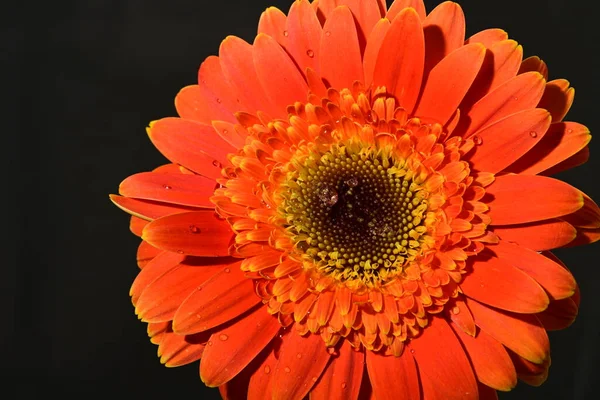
x,y
273,22
198,233
522,333
189,190
556,280
444,30
462,317
237,63
136,225
505,141
534,63
486,392
146,209
303,39
493,281
393,377
261,380
538,198
217,300
560,314
160,265
493,367
372,49
563,140
342,377
533,374
399,65
367,14
230,133
341,62
577,159
191,144
202,106
488,37
146,253
301,363
541,235
399,5
161,298
215,87
175,350
232,348
444,368
449,81
519,93
275,69
587,216
558,98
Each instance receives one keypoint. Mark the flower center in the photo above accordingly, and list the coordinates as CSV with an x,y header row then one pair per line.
x,y
356,214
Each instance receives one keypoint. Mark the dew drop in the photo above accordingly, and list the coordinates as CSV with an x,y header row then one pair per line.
x,y
218,100
267,369
217,164
299,355
287,370
209,343
167,187
223,337
194,229
180,251
227,270
455,310
225,132
533,134
477,140
327,33
314,378
412,351
344,384
352,182
328,196
310,53
286,33
569,130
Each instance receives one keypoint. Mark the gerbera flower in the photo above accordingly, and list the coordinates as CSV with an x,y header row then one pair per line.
x,y
359,205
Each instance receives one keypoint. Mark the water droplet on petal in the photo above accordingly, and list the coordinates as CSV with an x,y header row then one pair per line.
x,y
287,370
225,132
299,355
209,343
217,164
218,100
455,310
477,140
267,369
533,134
194,229
167,187
344,385
569,130
227,270
310,53
223,337
412,351
286,33
180,251
327,33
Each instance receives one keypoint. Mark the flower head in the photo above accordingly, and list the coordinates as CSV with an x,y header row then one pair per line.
x,y
359,203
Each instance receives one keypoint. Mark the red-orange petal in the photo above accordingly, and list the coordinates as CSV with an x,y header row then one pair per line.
x,y
303,40
538,198
191,144
261,380
492,364
486,392
189,190
522,333
577,159
147,209
399,5
160,265
462,317
534,64
556,280
519,93
301,363
372,49
444,30
195,104
393,377
341,61
400,62
215,87
587,216
540,235
533,374
558,99
136,225
175,350
505,141
146,253
273,22
495,282
448,83
367,14
160,299
198,233
217,300
342,377
275,70
560,314
232,348
444,368
563,140
488,37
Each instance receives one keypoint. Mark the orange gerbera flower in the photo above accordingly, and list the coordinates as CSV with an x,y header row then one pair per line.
x,y
360,205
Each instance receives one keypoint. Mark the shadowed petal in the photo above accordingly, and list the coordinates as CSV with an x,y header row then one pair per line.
x,y
393,377
444,30
342,377
303,40
399,5
540,235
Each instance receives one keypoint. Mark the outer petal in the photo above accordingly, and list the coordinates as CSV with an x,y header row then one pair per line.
x,y
534,64
505,141
195,104
160,265
232,348
195,233
146,253
304,36
558,98
261,381
147,209
563,140
581,157
488,37
560,314
367,14
522,333
556,280
399,5
538,198
444,368
541,235
373,46
495,282
175,350
393,377
301,363
444,30
191,144
273,23
217,300
491,362
342,377
341,61
449,81
400,62
214,87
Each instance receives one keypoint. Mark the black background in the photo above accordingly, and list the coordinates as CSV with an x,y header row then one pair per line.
x,y
81,81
